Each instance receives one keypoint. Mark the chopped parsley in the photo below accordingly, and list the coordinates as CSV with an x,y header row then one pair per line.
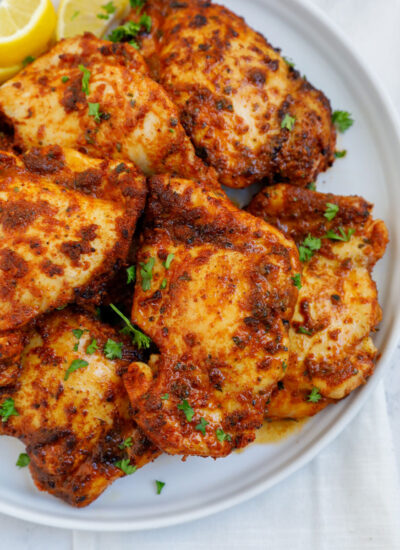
x,y
331,210
340,154
64,79
165,396
163,284
288,122
77,332
146,272
85,79
168,261
342,120
125,466
109,9
159,485
201,426
137,4
131,273
75,365
312,186
112,349
308,247
130,30
314,396
94,111
222,436
126,443
187,409
297,280
138,338
23,460
28,60
284,366
304,330
8,409
92,347
75,15
288,61
345,237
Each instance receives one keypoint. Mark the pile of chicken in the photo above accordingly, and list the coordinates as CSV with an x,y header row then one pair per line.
x,y
227,316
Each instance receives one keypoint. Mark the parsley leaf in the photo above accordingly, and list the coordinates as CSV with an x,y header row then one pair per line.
x,y
342,237
145,21
165,396
288,122
304,330
342,120
112,349
77,332
126,443
23,460
125,466
163,284
64,79
160,485
340,154
297,280
146,272
130,30
131,272
308,247
288,61
284,366
312,186
168,261
314,396
187,409
7,409
137,4
201,426
85,79
109,8
222,436
75,365
28,60
94,111
331,210
92,347
138,338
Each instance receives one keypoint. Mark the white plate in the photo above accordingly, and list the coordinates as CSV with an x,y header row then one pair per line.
x,y
199,487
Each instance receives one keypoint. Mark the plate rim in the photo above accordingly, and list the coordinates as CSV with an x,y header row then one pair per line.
x,y
388,110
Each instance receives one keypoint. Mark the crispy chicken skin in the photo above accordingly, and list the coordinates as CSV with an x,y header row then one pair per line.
x,y
60,241
73,428
136,119
234,90
218,313
337,303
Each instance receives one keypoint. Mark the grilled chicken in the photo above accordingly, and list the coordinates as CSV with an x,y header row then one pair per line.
x,y
331,351
77,425
97,96
249,113
215,294
61,241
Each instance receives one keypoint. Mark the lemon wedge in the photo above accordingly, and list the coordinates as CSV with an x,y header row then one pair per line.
x,y
26,29
8,72
77,16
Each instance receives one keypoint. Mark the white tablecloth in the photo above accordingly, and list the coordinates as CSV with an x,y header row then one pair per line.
x,y
348,497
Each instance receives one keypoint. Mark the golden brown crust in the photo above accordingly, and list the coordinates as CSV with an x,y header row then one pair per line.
x,y
73,428
233,90
218,315
337,304
136,119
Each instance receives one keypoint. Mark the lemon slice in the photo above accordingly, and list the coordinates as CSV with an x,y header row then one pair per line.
x,y
77,16
8,72
26,29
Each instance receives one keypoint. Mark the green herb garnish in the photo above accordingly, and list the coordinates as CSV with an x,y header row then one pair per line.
x,y
201,426
288,122
331,210
222,436
131,273
125,466
297,280
342,120
138,338
126,443
75,365
342,237
168,261
112,349
314,396
92,347
187,409
8,409
146,273
159,485
23,460
85,79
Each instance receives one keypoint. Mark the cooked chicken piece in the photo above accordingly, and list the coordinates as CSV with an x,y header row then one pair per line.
x,y
249,113
97,96
215,294
59,242
331,351
72,411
